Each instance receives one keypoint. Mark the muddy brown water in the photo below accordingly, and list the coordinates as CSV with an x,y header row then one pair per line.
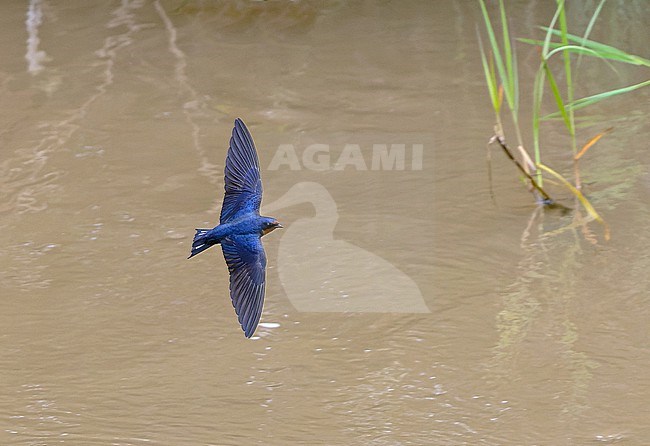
x,y
403,306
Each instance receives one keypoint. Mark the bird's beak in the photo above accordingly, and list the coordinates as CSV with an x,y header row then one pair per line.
x,y
279,226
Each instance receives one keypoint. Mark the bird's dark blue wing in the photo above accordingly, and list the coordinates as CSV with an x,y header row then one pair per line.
x,y
242,175
247,263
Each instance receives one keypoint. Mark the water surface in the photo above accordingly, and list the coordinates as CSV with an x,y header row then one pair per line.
x,y
507,325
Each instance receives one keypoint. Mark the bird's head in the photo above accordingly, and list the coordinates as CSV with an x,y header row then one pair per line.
x,y
269,225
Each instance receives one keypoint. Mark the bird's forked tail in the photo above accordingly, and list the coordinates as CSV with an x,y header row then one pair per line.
x,y
200,242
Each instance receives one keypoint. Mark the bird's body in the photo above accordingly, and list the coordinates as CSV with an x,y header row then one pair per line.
x,y
240,229
248,224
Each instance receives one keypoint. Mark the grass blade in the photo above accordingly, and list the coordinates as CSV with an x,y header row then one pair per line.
x,y
591,142
605,51
538,94
583,102
508,54
498,59
558,98
549,33
490,77
585,203
590,26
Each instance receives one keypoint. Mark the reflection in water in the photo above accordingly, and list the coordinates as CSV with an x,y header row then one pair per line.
x,y
320,273
550,282
542,294
25,185
34,56
194,107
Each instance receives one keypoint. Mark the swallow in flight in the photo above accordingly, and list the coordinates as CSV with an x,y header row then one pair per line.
x,y
240,229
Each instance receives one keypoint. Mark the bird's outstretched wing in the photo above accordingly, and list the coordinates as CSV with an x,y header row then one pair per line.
x,y
246,262
242,175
